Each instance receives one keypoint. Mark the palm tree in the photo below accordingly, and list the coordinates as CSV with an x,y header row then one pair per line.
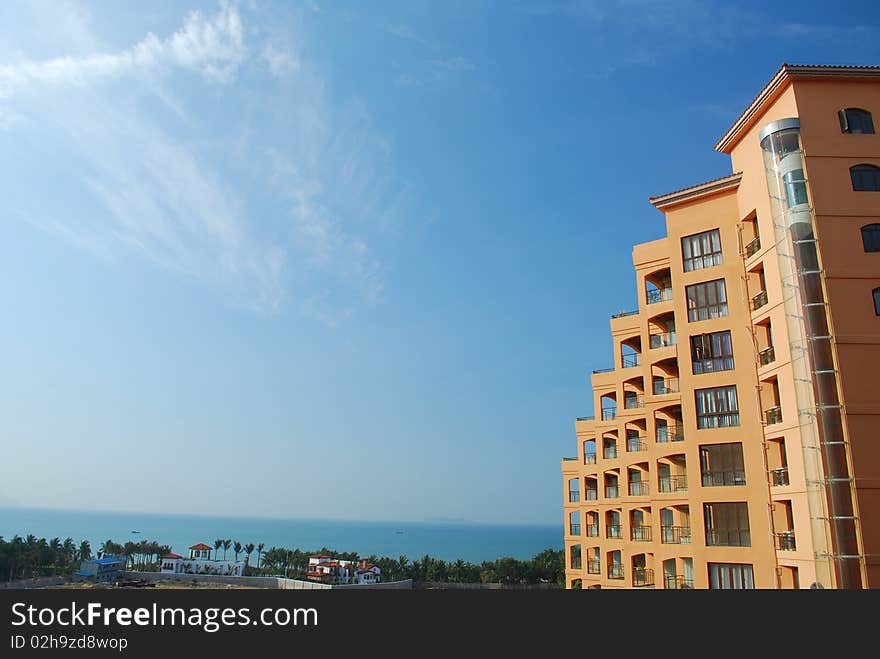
x,y
226,544
237,548
260,548
85,550
248,550
217,544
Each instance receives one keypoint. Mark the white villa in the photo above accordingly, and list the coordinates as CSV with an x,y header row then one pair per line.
x,y
326,569
200,562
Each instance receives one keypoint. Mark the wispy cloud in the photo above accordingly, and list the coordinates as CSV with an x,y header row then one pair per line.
x,y
282,196
432,74
404,31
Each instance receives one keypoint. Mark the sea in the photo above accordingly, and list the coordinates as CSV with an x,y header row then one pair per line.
x,y
468,541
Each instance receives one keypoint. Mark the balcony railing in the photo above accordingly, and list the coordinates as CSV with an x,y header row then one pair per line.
x,y
759,300
779,476
670,434
666,386
636,444
589,458
640,534
674,582
575,562
622,314
615,571
592,530
673,483
586,418
609,413
718,420
594,567
591,494
629,361
638,489
724,478
773,415
658,295
609,452
633,402
574,496
611,492
753,247
575,529
643,577
569,459
675,535
767,356
785,541
713,365
603,370
612,531
728,538
663,340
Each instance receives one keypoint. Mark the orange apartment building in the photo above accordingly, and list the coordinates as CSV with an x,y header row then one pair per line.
x,y
736,440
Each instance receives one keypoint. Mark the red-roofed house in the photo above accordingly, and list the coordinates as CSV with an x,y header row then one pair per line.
x,y
325,569
200,562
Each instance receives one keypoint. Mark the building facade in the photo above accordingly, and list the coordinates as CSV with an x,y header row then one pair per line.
x,y
200,562
734,443
100,570
326,569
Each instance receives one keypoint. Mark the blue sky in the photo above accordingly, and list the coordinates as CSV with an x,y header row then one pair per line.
x,y
338,260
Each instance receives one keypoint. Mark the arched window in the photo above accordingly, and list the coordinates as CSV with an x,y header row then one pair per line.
x,y
871,237
865,178
855,120
877,301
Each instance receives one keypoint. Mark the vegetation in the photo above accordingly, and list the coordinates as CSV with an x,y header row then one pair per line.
x,y
28,557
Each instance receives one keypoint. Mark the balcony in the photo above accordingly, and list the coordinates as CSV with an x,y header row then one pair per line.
x,y
594,567
609,452
574,496
613,531
611,492
615,571
670,434
673,484
724,478
623,314
589,458
779,477
767,356
674,582
638,489
643,577
640,534
633,402
785,541
666,386
662,340
592,530
759,300
728,538
629,361
675,535
773,415
658,295
591,494
636,445
753,247
609,413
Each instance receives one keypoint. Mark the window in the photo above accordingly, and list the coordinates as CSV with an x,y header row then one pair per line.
x,y
865,178
702,250
727,524
706,300
712,352
722,465
877,301
871,237
574,490
717,407
574,522
731,576
855,120
795,187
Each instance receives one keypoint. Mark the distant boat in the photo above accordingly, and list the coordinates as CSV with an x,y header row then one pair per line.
x,y
398,532
135,531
